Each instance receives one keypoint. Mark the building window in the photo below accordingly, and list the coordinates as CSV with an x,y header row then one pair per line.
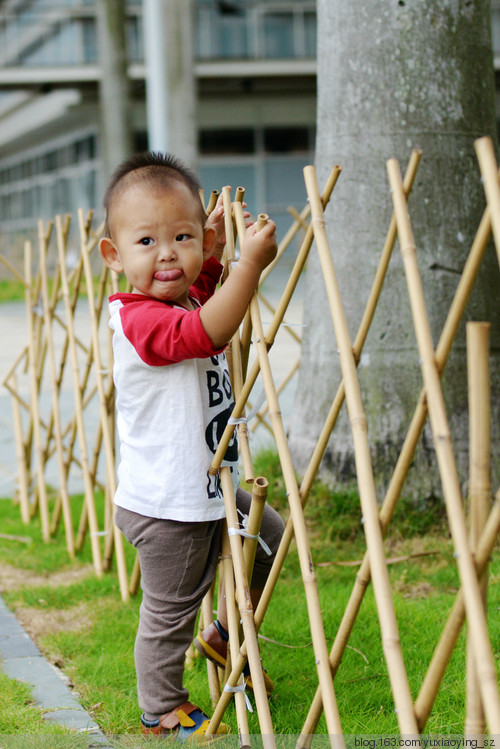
x,y
227,141
310,35
278,35
264,30
286,139
222,31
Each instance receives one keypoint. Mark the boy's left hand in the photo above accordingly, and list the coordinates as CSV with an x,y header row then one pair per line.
x,y
216,222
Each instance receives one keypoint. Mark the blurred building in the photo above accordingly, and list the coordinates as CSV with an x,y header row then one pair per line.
x,y
255,103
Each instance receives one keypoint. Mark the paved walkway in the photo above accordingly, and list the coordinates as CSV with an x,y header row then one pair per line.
x,y
21,660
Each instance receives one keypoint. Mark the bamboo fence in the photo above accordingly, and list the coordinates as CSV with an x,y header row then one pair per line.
x,y
47,434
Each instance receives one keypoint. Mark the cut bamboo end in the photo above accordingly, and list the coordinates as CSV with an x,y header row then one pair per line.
x,y
240,194
260,488
262,220
214,195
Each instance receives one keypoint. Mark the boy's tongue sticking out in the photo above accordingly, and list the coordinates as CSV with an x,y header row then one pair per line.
x,y
168,275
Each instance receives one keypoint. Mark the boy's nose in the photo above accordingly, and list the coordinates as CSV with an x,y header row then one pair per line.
x,y
167,251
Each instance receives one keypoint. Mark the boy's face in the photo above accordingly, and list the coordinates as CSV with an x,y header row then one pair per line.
x,y
158,240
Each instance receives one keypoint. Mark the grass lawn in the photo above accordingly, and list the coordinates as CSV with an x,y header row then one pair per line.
x,y
82,626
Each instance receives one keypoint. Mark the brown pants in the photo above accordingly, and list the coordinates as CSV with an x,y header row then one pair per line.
x,y
178,564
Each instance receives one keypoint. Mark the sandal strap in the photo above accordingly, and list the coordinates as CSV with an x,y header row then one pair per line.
x,y
173,718
220,629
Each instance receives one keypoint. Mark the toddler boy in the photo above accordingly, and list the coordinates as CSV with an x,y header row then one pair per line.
x,y
173,402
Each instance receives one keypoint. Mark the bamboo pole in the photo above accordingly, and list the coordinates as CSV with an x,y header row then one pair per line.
x,y
257,505
108,442
212,201
444,452
234,637
246,615
260,416
456,618
135,577
273,328
22,474
236,357
207,618
55,385
262,220
290,234
489,171
249,382
73,279
110,536
38,342
300,529
282,246
479,490
43,333
309,579
34,405
374,540
80,382
91,514
12,370
363,329
362,581
272,310
12,269
229,230
363,577
107,389
443,651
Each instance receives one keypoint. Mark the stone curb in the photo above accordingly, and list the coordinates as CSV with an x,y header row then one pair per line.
x,y
21,659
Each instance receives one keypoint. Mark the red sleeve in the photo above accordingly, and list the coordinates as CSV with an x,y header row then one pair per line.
x,y
206,283
162,334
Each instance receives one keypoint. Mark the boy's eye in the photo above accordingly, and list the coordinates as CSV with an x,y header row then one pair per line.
x,y
181,237
146,241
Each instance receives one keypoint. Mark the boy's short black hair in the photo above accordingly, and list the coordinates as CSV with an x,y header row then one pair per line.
x,y
155,168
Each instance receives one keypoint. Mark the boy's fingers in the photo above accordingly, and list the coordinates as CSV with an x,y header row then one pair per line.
x,y
268,229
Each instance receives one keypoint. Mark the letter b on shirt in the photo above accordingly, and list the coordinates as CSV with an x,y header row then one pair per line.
x,y
218,387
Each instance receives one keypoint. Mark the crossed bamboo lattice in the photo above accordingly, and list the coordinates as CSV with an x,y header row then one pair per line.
x,y
38,438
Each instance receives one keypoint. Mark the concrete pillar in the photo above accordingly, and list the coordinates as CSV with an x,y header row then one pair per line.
x,y
116,140
170,80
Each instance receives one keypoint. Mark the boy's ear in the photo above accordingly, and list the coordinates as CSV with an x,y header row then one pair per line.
x,y
110,254
209,236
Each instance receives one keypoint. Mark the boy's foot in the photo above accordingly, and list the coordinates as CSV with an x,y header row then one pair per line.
x,y
212,644
187,722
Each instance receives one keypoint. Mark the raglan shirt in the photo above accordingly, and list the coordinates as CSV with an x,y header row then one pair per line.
x,y
173,402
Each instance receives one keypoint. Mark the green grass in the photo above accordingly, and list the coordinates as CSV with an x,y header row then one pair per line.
x,y
11,291
17,711
93,634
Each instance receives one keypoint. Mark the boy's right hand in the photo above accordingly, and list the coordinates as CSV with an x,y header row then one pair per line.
x,y
259,247
222,314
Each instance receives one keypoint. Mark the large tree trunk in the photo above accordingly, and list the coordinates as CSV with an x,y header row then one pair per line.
x,y
393,76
